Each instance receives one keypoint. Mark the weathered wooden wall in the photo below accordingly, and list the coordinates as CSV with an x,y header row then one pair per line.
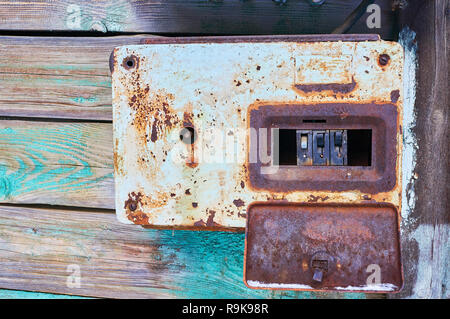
x,y
426,217
55,149
189,16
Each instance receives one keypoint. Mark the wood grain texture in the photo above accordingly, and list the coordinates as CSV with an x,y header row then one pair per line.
x,y
190,16
56,163
19,294
122,261
426,230
55,77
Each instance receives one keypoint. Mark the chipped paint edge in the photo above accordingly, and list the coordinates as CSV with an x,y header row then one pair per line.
x,y
423,235
410,146
370,288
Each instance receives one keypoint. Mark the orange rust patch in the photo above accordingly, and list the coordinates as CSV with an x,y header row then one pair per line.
x,y
315,199
192,164
209,222
200,223
324,229
188,122
133,200
118,160
243,215
136,201
133,213
138,217
395,94
152,114
187,119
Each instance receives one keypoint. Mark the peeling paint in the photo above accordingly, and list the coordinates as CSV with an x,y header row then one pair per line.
x,y
167,86
410,146
425,235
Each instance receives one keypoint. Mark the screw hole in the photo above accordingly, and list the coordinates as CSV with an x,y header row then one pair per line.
x,y
383,59
188,135
130,62
132,206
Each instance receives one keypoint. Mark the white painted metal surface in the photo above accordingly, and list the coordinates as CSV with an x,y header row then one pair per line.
x,y
212,86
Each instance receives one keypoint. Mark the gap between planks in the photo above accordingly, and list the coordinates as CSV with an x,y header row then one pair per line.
x,y
191,16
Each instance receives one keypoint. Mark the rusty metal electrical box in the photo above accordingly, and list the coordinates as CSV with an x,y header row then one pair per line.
x,y
296,139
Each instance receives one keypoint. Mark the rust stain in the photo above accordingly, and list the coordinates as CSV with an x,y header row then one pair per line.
x,y
210,222
137,201
330,229
133,199
188,122
347,237
334,87
200,223
395,94
192,164
243,215
130,62
133,211
238,202
315,199
152,113
118,160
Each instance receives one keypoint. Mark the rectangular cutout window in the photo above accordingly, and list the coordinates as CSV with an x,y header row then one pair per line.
x,y
359,147
324,147
288,147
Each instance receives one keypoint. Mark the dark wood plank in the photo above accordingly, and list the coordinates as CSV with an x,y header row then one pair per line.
x,y
122,261
55,77
190,16
425,226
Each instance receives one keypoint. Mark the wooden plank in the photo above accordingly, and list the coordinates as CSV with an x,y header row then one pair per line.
x,y
19,294
56,163
190,16
425,225
122,261
55,77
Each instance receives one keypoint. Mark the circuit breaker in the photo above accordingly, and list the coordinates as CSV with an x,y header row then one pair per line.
x,y
295,140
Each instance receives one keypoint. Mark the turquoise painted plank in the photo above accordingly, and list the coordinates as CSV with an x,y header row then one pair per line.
x,y
214,263
56,163
123,261
18,294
